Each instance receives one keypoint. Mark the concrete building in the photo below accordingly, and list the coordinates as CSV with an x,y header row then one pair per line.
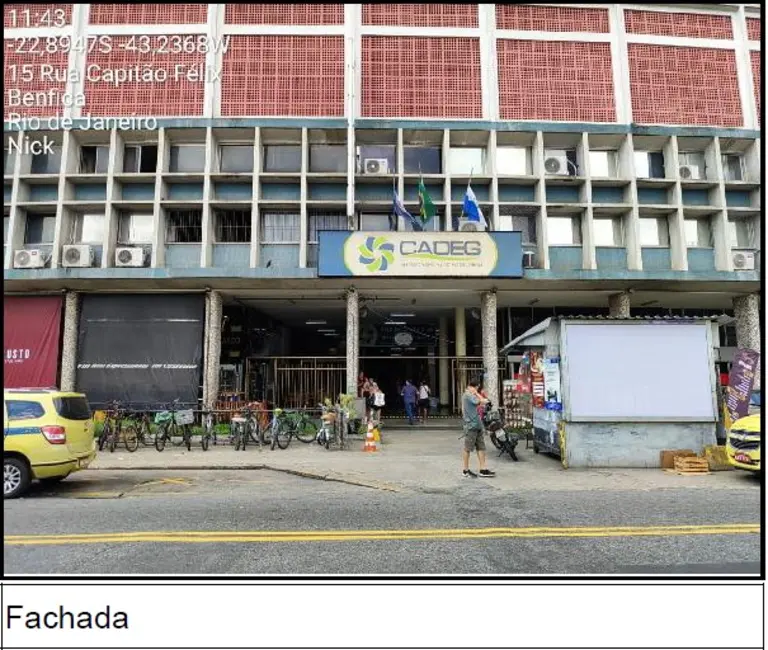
x,y
622,143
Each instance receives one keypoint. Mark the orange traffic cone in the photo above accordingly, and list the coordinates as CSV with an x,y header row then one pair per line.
x,y
370,441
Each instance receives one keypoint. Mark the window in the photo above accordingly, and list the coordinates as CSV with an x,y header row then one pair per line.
x,y
564,162
422,160
39,229
608,232
328,158
649,164
184,226
513,161
46,163
9,162
232,226
6,227
518,220
466,160
325,221
73,408
742,233
376,222
696,162
88,229
135,228
602,164
236,158
733,167
94,160
377,152
140,159
564,231
434,224
187,158
654,231
24,410
282,158
280,228
697,233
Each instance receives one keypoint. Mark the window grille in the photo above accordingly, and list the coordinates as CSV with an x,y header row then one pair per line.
x,y
184,226
232,226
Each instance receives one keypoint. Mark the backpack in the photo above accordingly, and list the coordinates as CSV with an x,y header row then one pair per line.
x,y
378,399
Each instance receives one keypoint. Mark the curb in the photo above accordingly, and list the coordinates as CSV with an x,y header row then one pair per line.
x,y
388,487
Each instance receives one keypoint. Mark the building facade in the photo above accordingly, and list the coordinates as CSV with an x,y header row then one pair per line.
x,y
200,150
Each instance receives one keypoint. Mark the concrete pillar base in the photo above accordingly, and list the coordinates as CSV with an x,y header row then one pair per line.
x,y
214,307
69,341
746,310
353,340
618,305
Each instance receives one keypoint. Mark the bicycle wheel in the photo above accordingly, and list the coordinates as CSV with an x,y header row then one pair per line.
x,y
495,440
306,430
283,437
176,434
105,433
130,439
205,439
254,431
238,436
186,433
145,435
160,438
112,442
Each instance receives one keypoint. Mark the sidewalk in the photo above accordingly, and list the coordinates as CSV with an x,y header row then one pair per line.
x,y
427,459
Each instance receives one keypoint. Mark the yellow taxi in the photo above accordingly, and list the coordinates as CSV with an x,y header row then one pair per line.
x,y
48,434
743,445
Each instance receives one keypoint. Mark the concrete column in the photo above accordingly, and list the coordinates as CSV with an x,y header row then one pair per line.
x,y
618,305
746,310
443,376
353,339
488,308
214,307
69,341
461,332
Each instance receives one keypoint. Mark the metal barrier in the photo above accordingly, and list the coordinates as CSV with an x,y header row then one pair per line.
x,y
465,368
303,381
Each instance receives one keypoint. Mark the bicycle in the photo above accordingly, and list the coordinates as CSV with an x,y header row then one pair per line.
x,y
171,421
112,432
142,430
303,426
281,429
209,430
327,433
241,428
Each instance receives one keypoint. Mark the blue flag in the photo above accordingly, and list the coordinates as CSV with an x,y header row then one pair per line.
x,y
399,210
472,209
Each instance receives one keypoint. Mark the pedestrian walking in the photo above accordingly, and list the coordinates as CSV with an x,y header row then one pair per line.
x,y
410,396
424,394
378,402
473,430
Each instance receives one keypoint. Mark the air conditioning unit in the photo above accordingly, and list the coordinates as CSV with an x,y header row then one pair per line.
x,y
743,261
134,256
29,259
556,165
529,260
465,225
77,255
375,166
690,172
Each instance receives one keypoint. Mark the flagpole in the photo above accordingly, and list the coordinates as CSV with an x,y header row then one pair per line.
x,y
469,182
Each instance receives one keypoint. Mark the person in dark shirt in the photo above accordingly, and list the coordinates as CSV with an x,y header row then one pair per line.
x,y
410,397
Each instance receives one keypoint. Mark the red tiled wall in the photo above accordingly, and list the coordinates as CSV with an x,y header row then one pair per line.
x,y
684,85
560,81
148,14
756,79
551,19
407,76
57,59
169,98
284,14
678,24
283,75
754,29
38,16
421,15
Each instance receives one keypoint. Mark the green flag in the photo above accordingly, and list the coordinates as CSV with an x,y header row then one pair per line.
x,y
426,207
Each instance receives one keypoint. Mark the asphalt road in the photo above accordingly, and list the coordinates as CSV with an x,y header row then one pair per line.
x,y
264,522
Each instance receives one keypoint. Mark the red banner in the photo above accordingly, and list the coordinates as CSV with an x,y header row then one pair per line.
x,y
31,336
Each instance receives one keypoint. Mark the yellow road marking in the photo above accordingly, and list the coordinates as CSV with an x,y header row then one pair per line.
x,y
261,536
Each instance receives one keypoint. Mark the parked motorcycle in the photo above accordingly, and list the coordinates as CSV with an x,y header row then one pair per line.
x,y
502,439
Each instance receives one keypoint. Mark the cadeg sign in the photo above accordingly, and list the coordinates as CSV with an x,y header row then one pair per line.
x,y
420,254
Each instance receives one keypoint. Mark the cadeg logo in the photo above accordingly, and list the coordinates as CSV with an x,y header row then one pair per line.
x,y
377,253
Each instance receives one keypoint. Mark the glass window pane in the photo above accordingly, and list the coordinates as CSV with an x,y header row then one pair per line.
x,y
47,163
377,152
39,229
691,232
642,164
602,164
318,222
131,160
375,222
188,158
514,161
425,160
140,228
328,158
236,158
732,167
6,226
607,232
282,158
466,160
92,228
280,228
562,231
9,162
650,234
694,159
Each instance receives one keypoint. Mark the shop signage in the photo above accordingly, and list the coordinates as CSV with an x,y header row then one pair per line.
x,y
740,383
551,370
537,379
420,254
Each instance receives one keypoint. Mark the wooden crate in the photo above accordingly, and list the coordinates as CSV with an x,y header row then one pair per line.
x,y
691,465
667,457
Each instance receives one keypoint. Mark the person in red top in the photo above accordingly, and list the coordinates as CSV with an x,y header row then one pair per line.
x,y
482,405
362,380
